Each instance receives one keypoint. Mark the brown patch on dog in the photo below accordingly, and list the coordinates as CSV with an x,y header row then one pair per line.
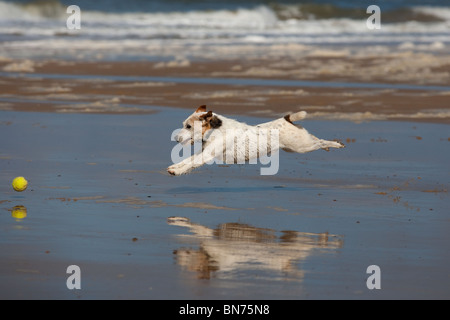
x,y
210,121
206,115
288,119
215,122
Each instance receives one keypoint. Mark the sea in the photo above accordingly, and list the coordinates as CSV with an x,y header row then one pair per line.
x,y
196,29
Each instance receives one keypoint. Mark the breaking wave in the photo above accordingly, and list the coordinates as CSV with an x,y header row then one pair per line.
x,y
141,24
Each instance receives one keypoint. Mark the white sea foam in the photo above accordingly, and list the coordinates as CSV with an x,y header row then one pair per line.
x,y
191,31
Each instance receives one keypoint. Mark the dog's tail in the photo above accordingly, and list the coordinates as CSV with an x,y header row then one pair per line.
x,y
295,116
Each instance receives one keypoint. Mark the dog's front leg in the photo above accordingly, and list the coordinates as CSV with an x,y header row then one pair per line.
x,y
190,163
181,167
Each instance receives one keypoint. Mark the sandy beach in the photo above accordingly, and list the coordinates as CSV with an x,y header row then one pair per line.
x,y
95,153
92,137
129,87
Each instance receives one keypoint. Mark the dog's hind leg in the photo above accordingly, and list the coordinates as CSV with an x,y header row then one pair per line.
x,y
326,145
300,140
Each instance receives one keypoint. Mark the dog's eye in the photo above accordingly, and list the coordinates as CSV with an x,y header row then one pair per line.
x,y
188,126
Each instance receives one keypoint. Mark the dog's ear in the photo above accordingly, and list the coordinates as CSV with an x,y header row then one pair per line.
x,y
201,109
206,115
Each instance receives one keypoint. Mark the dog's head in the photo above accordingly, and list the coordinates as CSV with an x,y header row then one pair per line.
x,y
199,119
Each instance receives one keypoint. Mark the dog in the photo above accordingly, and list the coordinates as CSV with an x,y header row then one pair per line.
x,y
237,142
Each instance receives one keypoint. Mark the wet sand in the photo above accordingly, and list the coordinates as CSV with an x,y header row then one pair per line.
x,y
230,87
95,151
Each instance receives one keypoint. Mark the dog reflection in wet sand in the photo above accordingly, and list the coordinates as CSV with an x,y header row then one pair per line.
x,y
235,247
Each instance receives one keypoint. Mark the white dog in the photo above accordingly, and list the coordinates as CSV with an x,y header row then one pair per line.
x,y
237,142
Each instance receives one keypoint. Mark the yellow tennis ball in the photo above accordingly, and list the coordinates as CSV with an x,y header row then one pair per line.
x,y
19,212
19,184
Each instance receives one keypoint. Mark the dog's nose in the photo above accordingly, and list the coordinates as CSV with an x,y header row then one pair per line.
x,y
178,138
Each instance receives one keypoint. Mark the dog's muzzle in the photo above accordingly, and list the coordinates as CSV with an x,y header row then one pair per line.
x,y
183,138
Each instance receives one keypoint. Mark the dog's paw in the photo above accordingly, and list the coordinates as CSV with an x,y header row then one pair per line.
x,y
173,170
341,145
